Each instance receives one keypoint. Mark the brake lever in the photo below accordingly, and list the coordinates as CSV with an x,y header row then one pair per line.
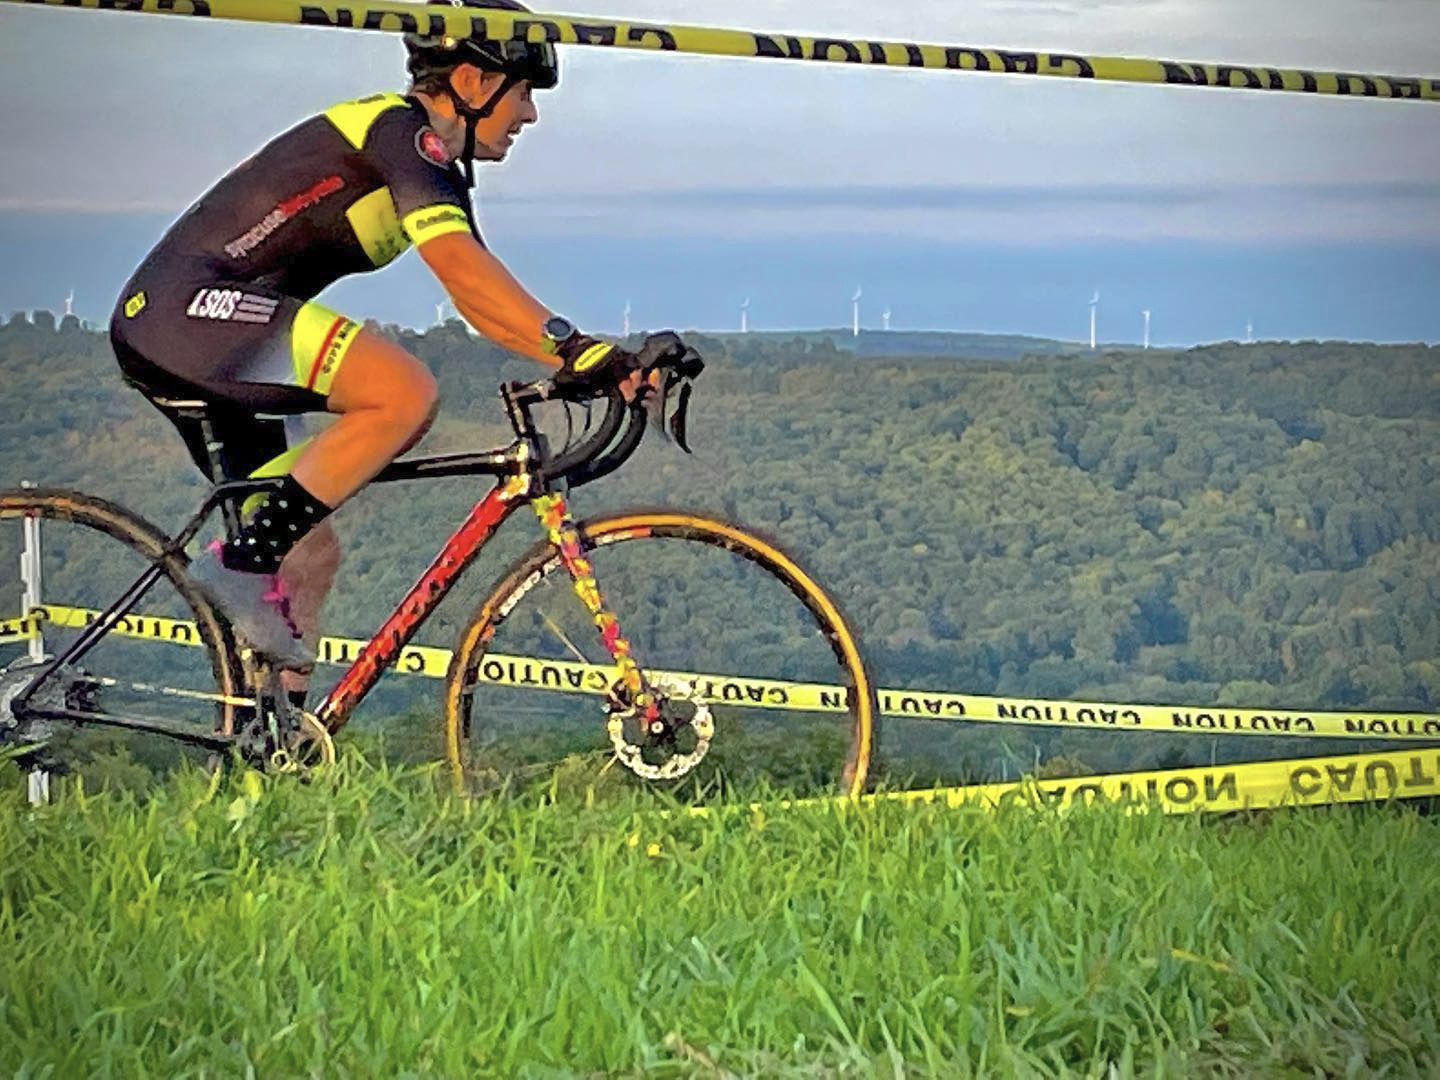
x,y
681,417
680,367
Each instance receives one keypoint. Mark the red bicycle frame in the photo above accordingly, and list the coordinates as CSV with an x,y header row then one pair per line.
x,y
410,614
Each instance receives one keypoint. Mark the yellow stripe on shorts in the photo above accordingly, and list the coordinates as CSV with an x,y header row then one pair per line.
x,y
319,340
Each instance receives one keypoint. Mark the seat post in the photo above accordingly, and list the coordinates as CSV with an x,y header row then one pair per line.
x,y
215,461
198,412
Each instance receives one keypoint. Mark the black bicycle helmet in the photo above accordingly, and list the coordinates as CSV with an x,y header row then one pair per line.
x,y
535,62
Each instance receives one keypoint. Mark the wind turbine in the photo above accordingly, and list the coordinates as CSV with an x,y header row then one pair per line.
x,y
440,313
625,321
855,312
1094,303
70,303
1249,332
744,316
1146,313
885,319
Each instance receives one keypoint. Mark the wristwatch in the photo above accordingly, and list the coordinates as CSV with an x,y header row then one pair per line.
x,y
556,329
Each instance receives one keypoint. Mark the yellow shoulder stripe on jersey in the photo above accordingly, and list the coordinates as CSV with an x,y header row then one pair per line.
x,y
431,221
353,119
592,356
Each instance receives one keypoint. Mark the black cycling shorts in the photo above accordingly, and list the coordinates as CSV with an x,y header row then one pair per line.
x,y
230,342
240,349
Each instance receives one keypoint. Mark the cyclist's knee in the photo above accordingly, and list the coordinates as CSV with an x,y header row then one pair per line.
x,y
379,376
423,401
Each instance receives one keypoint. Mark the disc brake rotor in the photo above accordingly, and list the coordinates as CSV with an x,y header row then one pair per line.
x,y
666,742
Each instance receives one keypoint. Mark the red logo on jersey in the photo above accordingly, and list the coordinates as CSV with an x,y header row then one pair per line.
x,y
431,147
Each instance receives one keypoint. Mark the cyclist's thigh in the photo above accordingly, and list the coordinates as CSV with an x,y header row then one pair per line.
x,y
380,374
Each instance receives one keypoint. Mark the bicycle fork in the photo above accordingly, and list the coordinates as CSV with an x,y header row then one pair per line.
x,y
555,516
640,691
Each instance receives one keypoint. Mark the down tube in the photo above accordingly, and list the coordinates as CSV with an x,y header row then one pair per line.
x,y
382,649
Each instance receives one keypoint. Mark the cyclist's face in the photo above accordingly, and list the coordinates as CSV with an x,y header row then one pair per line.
x,y
495,134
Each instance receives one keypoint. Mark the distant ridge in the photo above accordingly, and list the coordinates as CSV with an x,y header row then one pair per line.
x,y
922,342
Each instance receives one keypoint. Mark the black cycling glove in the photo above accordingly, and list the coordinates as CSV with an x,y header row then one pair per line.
x,y
591,366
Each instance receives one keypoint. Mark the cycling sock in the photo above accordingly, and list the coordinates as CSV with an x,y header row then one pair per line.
x,y
280,522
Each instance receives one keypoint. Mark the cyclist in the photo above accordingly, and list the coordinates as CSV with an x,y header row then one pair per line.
x,y
222,309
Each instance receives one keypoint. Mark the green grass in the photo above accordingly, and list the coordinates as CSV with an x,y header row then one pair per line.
x,y
370,925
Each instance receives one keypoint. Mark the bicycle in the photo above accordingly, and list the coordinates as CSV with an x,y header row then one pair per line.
x,y
738,648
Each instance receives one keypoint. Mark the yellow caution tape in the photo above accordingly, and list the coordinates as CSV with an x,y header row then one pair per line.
x,y
1396,774
21,628
392,16
1215,789
567,676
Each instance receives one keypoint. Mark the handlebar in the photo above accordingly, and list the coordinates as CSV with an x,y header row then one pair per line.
x,y
610,443
521,398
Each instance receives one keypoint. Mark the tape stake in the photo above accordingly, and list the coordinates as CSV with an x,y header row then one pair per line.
x,y
391,16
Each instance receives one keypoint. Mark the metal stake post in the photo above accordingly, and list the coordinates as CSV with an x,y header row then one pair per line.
x,y
38,788
30,579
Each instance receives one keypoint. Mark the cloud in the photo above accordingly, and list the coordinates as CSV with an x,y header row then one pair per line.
x,y
1023,216
870,197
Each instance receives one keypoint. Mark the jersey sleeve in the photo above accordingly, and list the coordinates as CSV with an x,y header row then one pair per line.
x,y
413,163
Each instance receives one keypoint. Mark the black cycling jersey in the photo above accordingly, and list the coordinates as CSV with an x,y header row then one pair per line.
x,y
341,193
222,308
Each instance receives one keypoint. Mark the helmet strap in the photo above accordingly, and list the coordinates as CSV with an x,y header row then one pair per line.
x,y
473,117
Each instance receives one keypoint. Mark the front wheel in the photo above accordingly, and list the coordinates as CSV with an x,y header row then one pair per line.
x,y
756,673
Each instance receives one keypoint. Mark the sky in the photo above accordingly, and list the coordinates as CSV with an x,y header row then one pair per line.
x,y
685,185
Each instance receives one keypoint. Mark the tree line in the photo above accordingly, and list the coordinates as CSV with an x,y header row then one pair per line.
x,y
1232,525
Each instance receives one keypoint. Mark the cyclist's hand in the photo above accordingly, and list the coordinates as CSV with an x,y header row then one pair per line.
x,y
590,367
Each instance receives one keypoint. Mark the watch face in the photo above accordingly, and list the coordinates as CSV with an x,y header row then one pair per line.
x,y
558,329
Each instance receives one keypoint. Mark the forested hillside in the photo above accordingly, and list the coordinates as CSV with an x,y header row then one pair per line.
x,y
1248,525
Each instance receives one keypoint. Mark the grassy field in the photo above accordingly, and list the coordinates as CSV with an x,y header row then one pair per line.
x,y
369,925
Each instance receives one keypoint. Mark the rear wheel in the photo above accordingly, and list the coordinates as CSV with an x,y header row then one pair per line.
x,y
756,675
170,663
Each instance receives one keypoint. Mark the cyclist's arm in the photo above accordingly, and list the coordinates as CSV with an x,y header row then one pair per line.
x,y
487,295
